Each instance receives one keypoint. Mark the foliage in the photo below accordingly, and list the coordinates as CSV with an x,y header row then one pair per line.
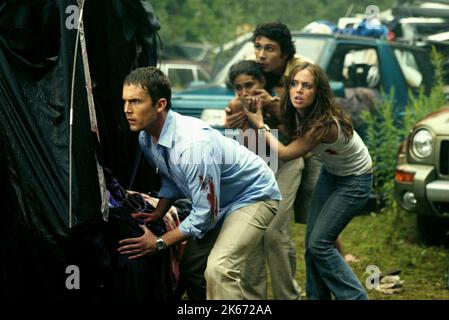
x,y
383,139
218,21
423,104
384,135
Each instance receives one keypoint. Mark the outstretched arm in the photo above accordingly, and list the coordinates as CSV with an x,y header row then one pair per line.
x,y
295,149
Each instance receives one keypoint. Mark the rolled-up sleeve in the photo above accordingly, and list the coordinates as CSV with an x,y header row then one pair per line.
x,y
203,177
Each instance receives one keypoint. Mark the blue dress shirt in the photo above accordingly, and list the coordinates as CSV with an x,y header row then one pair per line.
x,y
217,173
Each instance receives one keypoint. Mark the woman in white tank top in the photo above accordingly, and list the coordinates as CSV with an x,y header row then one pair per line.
x,y
317,124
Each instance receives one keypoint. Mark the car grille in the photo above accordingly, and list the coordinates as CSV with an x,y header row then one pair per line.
x,y
442,208
444,157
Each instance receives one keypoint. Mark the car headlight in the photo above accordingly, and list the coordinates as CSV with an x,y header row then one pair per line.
x,y
214,117
422,143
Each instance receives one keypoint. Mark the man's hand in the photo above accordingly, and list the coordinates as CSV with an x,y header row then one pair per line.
x,y
147,217
262,95
139,247
162,206
269,103
234,120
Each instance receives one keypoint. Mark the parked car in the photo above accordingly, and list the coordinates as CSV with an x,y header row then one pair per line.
x,y
350,62
184,73
415,30
422,175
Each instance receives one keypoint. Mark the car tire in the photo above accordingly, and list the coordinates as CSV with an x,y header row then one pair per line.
x,y
432,230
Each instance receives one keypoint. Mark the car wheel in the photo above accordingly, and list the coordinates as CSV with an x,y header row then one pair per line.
x,y
432,230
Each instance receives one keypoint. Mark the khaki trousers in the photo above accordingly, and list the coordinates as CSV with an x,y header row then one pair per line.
x,y
241,233
278,247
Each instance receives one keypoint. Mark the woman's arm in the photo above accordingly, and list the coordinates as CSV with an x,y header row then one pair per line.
x,y
299,147
295,149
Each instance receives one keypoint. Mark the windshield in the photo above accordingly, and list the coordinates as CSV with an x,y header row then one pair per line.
x,y
310,48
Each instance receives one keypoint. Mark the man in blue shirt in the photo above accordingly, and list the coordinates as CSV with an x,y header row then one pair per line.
x,y
228,185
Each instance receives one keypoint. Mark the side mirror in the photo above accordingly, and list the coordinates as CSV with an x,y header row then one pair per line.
x,y
338,88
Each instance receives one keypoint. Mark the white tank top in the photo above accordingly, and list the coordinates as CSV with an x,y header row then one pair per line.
x,y
345,158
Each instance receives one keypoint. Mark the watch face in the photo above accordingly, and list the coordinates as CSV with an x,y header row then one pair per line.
x,y
160,244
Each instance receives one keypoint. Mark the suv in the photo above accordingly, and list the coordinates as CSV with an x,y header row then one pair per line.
x,y
422,175
350,62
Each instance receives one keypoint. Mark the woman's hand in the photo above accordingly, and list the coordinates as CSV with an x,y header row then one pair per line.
x,y
255,118
147,217
234,120
156,214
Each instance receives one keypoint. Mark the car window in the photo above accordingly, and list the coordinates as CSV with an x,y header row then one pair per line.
x,y
431,28
421,30
202,76
246,52
310,48
355,67
409,67
180,78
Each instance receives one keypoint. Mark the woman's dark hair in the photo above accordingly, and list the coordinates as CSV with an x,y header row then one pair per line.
x,y
248,67
321,114
278,32
154,81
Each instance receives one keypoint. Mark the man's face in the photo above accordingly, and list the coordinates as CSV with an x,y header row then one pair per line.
x,y
269,56
138,107
245,85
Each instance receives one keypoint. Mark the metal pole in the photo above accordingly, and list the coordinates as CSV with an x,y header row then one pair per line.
x,y
72,93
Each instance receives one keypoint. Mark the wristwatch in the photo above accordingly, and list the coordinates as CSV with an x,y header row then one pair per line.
x,y
266,127
160,244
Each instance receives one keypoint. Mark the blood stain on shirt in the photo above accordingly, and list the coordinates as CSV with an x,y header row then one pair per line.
x,y
211,196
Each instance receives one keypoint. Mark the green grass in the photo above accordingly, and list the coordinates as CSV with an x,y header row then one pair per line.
x,y
389,240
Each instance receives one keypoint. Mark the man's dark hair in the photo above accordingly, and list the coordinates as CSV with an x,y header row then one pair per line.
x,y
248,67
277,31
154,81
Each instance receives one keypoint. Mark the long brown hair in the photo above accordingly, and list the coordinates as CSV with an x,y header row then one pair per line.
x,y
321,114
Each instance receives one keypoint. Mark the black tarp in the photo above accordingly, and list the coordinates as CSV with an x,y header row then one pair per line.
x,y
37,48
